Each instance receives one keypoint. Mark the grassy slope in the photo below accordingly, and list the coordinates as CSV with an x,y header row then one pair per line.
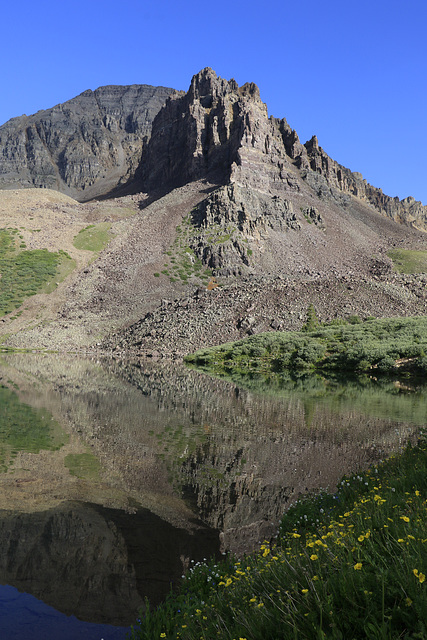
x,y
23,272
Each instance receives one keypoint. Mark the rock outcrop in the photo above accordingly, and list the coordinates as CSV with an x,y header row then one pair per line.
x,y
223,195
164,139
84,147
222,132
327,177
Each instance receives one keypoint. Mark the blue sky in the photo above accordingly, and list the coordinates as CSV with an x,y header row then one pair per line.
x,y
354,73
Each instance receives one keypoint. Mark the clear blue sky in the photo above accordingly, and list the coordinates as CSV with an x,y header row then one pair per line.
x,y
354,73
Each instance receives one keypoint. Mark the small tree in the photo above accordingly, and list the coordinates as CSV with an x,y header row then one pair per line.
x,y
312,321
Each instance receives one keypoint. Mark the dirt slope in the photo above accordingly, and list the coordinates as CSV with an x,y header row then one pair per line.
x,y
341,268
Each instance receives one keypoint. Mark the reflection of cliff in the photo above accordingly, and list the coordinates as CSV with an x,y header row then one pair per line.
x,y
93,562
237,456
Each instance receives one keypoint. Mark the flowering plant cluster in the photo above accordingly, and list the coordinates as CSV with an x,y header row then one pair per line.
x,y
355,568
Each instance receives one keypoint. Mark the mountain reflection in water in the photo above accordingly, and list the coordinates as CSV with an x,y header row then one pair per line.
x,y
153,465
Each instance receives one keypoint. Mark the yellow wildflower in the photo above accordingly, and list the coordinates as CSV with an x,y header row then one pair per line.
x,y
404,518
163,635
313,557
421,577
304,591
260,604
358,566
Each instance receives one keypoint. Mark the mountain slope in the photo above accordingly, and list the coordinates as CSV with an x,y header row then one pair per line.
x,y
237,228
84,147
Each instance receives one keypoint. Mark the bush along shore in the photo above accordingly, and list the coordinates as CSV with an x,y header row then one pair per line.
x,y
377,346
346,566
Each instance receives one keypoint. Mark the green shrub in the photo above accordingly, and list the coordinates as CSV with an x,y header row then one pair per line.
x,y
383,345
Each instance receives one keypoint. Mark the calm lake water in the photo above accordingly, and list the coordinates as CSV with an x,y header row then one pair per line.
x,y
115,476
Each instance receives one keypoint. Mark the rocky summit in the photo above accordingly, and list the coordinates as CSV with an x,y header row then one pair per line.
x,y
221,223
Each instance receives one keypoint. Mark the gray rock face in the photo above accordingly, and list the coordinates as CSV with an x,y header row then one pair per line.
x,y
245,215
198,135
162,139
222,132
326,175
84,147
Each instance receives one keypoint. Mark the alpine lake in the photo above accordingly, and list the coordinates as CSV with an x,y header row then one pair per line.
x,y
116,476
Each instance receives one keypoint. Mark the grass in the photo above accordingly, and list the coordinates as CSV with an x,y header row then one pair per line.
x,y
23,428
83,465
25,273
346,566
183,264
378,346
407,261
93,237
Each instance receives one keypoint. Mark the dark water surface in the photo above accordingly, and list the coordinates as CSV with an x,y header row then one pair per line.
x,y
114,476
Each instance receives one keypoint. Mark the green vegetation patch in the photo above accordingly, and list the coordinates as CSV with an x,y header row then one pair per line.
x,y
348,565
407,261
93,237
25,273
83,465
184,265
381,346
23,428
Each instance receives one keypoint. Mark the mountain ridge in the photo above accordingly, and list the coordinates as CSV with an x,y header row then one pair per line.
x,y
230,226
83,147
36,153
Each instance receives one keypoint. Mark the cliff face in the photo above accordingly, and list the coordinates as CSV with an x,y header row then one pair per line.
x,y
216,131
197,135
221,132
84,147
326,175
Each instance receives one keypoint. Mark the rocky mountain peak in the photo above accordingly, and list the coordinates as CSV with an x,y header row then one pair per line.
x,y
206,87
155,139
